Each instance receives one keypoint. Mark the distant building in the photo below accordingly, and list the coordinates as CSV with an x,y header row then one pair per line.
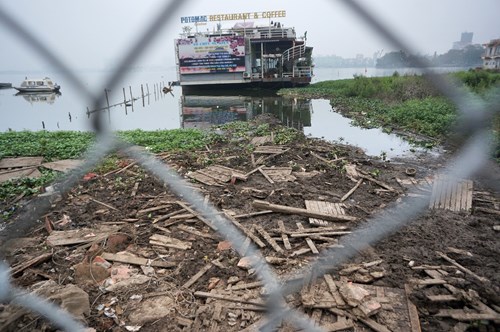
x,y
465,41
491,57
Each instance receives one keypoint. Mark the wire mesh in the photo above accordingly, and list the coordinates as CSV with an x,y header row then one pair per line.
x,y
471,158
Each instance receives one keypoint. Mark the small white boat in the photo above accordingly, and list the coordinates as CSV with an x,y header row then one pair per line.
x,y
37,85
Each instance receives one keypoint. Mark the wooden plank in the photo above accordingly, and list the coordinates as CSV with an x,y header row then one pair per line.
x,y
29,263
334,290
199,216
63,165
247,232
468,206
169,242
78,236
374,325
27,172
197,276
462,315
284,236
309,242
266,176
268,238
350,192
250,285
304,212
20,162
127,259
195,232
412,311
442,298
228,298
462,268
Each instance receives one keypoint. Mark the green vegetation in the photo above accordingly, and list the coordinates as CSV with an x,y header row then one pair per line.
x,y
50,145
408,103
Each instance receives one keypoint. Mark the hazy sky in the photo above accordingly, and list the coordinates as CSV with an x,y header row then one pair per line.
x,y
98,33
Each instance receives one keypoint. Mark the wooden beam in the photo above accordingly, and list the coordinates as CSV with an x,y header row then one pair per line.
x,y
303,212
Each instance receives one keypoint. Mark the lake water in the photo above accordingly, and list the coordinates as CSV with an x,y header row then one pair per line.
x,y
70,111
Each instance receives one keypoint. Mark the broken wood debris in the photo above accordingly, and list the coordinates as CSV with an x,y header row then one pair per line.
x,y
228,298
268,238
461,268
327,208
284,236
303,212
129,259
309,242
216,175
169,242
451,194
248,233
350,192
79,236
197,276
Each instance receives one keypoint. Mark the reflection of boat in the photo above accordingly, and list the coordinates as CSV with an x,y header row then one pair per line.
x,y
5,85
244,56
205,111
37,85
40,97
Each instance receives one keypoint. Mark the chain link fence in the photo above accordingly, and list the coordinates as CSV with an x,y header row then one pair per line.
x,y
476,114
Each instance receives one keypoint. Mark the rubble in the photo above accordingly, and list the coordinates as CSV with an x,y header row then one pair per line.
x,y
147,259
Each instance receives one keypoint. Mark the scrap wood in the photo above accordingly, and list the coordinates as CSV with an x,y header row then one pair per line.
x,y
152,209
168,215
203,219
380,183
268,238
253,214
318,230
103,204
329,162
332,286
197,276
29,263
20,162
247,286
63,165
461,268
266,176
134,190
303,212
412,311
195,232
128,259
31,172
228,298
463,315
278,174
486,210
82,235
309,242
374,325
350,192
284,236
247,232
169,242
319,234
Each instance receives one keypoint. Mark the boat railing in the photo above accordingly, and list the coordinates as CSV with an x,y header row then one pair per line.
x,y
251,32
302,71
294,52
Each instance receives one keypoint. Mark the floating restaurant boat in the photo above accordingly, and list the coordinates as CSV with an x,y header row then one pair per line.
x,y
243,56
37,85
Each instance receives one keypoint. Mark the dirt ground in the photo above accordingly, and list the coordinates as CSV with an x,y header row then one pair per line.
x,y
134,206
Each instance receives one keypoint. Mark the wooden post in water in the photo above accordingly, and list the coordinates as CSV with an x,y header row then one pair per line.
x,y
107,102
142,92
131,98
147,89
125,101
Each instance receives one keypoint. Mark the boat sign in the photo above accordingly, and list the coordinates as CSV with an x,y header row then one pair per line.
x,y
233,16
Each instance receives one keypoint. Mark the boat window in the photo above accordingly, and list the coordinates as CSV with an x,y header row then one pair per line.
x,y
49,82
39,83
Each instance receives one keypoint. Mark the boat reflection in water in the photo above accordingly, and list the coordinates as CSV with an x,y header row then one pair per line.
x,y
205,111
40,97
